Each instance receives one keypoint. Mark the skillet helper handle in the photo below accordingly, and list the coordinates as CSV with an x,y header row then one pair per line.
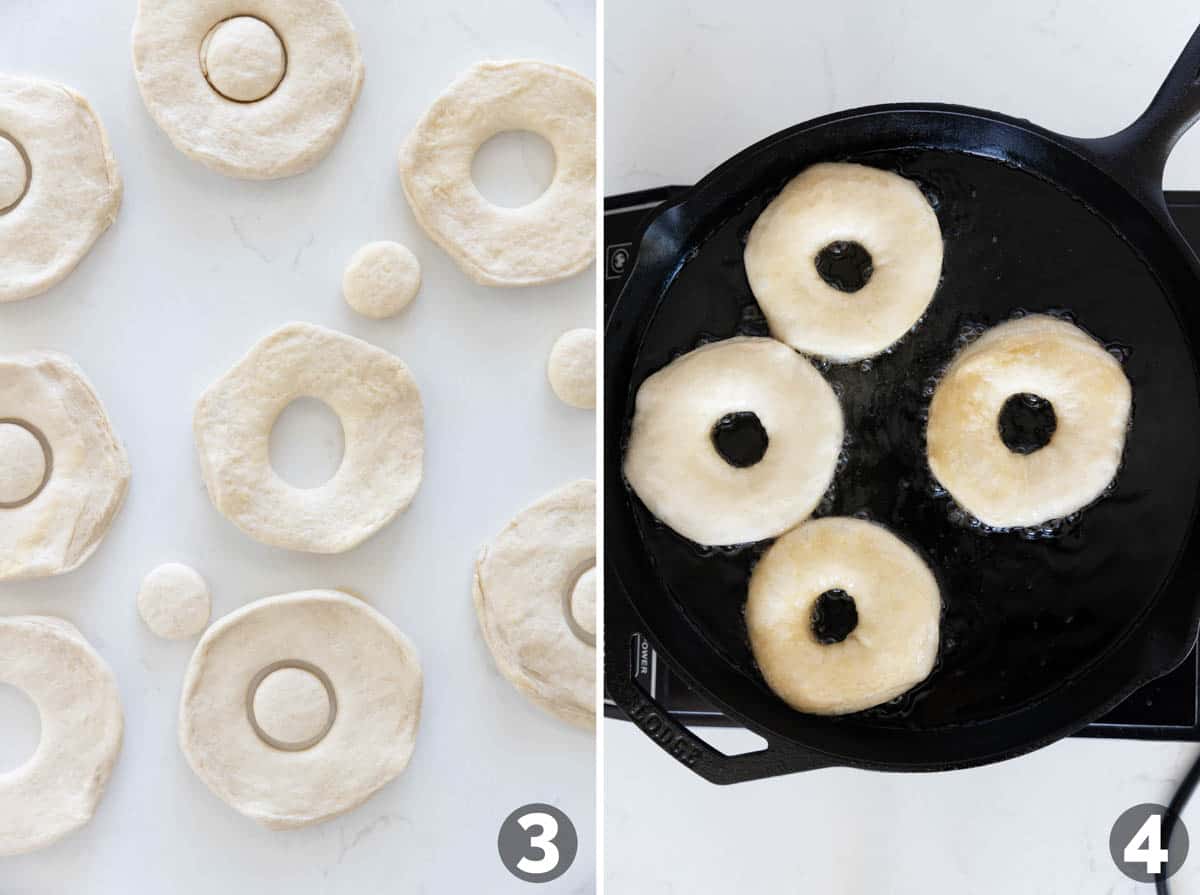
x,y
621,630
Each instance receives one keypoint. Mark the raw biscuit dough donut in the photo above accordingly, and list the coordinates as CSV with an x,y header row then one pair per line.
x,y
59,184
1091,399
552,237
381,279
571,368
63,473
837,205
380,410
257,89
300,707
57,790
673,461
892,647
535,595
174,601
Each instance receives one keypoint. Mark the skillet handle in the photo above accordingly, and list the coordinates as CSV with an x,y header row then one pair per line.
x,y
621,624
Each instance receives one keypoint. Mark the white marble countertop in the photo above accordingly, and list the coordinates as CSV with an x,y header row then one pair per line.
x,y
691,82
195,270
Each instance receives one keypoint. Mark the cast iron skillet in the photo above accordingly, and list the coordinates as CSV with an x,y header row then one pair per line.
x,y
1043,631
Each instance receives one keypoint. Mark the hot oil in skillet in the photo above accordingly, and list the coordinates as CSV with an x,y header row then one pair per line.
x,y
1022,611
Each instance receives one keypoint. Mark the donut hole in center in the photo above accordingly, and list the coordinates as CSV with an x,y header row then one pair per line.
x,y
243,59
1027,423
26,462
740,438
513,168
291,705
579,603
307,443
22,725
834,616
16,173
845,265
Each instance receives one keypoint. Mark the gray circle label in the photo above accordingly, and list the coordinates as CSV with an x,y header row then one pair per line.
x,y
1138,847
537,843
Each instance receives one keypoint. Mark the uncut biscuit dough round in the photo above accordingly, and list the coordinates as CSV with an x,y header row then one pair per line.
x,y
673,466
57,790
85,471
374,673
892,648
174,601
379,406
286,131
59,184
571,368
1091,398
552,237
839,202
526,589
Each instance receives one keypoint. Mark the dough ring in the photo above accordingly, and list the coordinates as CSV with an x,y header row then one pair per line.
x,y
257,89
842,616
63,473
736,441
552,237
835,216
300,707
380,409
59,184
58,789
1035,360
535,595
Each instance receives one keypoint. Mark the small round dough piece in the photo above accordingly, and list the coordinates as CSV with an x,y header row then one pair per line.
x,y
552,237
892,648
886,214
46,393
243,59
292,706
68,195
57,790
379,405
283,132
375,675
1091,398
524,586
572,368
583,602
381,279
22,464
174,601
675,469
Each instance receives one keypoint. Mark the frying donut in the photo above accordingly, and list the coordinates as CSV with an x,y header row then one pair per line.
x,y
734,442
885,606
1055,369
844,260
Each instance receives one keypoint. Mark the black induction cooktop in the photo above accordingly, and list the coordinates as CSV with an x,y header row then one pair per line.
x,y
1166,709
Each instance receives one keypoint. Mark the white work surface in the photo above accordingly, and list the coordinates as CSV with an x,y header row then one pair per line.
x,y
689,84
196,269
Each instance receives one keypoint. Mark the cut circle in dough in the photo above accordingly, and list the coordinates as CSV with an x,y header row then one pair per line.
x,y
59,184
85,473
174,601
203,67
57,790
552,237
292,706
571,368
672,459
23,464
373,673
895,642
525,583
840,203
379,406
1091,400
583,603
381,279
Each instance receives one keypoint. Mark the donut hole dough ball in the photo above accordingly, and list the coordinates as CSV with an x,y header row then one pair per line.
x,y
571,368
14,175
381,279
24,465
243,59
292,708
734,442
845,260
1028,424
57,790
548,239
842,616
174,601
582,606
